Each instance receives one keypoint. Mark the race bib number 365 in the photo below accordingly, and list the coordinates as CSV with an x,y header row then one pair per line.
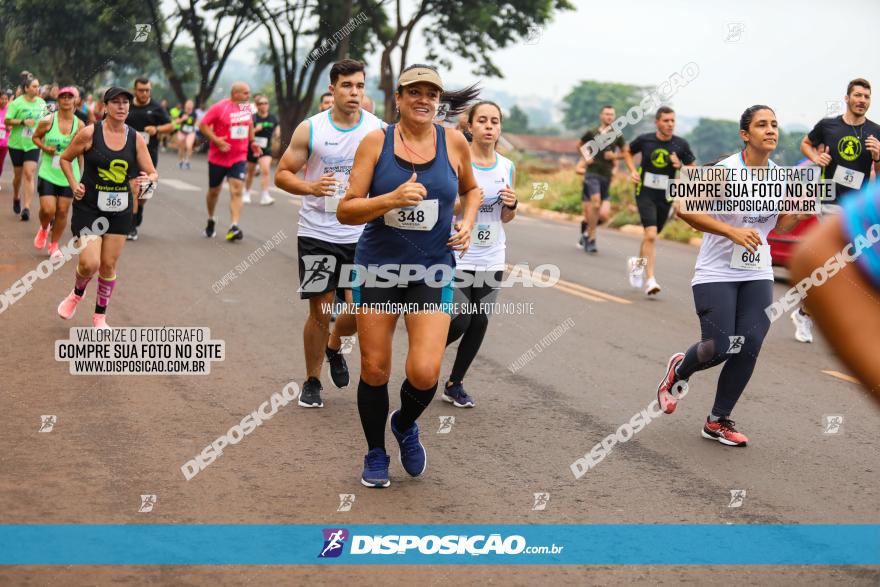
x,y
742,258
112,201
420,217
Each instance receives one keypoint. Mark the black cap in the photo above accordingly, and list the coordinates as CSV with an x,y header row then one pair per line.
x,y
117,91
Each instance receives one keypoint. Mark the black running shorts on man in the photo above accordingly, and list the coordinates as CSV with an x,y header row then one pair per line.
x,y
320,265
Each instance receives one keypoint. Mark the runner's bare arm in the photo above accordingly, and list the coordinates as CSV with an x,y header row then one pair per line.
x,y
356,207
42,128
82,141
145,162
507,213
850,327
469,191
818,157
293,160
747,237
628,159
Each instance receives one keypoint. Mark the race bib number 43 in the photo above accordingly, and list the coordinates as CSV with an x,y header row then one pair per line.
x,y
656,181
742,258
848,177
420,217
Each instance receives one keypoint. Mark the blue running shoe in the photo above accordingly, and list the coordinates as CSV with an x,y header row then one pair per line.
x,y
376,469
457,396
412,454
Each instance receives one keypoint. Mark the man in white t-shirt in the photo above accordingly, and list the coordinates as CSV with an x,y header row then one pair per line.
x,y
325,145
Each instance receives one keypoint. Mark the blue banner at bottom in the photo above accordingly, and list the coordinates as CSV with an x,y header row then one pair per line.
x,y
169,544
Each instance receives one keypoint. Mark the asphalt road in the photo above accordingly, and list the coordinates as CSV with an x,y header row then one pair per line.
x,y
118,437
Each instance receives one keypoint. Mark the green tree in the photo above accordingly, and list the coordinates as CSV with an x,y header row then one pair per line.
x,y
788,150
214,27
70,42
302,39
472,29
517,121
584,102
713,138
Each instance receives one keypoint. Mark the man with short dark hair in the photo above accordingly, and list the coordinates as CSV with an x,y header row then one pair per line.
x,y
149,119
662,155
846,147
325,145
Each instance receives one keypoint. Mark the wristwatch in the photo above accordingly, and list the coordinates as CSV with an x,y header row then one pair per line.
x,y
515,204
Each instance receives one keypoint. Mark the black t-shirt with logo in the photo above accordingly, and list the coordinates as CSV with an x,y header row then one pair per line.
x,y
150,114
846,144
601,165
264,127
656,157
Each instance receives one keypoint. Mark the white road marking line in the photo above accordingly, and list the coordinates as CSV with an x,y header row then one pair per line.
x,y
180,185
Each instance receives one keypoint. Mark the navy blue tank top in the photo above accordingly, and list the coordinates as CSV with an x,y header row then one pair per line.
x,y
381,244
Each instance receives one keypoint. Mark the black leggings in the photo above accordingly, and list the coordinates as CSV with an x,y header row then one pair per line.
x,y
470,325
729,309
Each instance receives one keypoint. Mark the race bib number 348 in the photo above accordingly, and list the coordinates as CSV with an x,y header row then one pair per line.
x,y
420,217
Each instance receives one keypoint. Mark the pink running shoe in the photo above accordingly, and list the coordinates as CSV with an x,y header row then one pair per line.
x,y
100,321
53,251
40,239
67,307
665,398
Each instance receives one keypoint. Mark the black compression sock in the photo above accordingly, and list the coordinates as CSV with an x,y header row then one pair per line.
x,y
373,409
412,403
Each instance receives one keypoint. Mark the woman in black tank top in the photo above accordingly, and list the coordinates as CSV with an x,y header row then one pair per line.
x,y
117,169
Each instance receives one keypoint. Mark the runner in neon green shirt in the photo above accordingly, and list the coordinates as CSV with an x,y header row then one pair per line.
x,y
52,136
21,120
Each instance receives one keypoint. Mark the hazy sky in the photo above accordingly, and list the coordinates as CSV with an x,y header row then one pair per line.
x,y
792,55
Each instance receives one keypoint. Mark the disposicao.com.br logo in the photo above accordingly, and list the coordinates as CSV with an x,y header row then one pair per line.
x,y
334,540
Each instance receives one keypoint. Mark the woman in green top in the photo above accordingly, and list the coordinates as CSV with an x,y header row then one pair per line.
x,y
52,136
21,118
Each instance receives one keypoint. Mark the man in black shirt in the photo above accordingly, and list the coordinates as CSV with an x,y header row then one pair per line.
x,y
851,142
662,155
846,147
149,119
597,178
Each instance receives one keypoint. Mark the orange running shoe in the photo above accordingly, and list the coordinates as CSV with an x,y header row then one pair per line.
x,y
724,432
54,252
665,398
100,321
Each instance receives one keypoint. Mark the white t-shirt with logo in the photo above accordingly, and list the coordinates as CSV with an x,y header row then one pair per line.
x,y
488,241
713,262
331,150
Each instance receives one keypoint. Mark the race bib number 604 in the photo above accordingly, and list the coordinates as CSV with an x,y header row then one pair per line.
x,y
742,258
